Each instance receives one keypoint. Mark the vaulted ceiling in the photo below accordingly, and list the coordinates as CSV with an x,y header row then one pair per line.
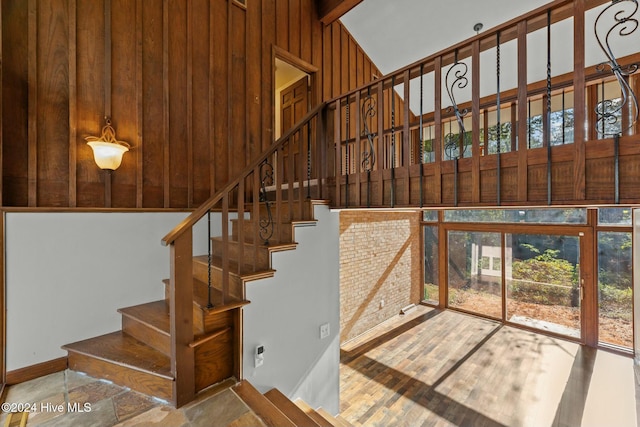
x,y
399,32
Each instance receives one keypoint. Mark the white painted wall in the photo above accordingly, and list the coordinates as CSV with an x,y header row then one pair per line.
x,y
68,273
285,315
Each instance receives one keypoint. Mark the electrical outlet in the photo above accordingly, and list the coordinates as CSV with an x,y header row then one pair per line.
x,y
325,331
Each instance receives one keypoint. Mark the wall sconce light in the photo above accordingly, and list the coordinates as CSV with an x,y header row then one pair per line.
x,y
107,150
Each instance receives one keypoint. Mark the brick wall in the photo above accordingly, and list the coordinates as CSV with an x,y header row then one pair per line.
x,y
380,267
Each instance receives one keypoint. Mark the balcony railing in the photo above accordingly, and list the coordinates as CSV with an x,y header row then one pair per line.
x,y
518,115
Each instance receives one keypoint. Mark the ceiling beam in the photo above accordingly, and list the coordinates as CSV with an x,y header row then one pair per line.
x,y
331,10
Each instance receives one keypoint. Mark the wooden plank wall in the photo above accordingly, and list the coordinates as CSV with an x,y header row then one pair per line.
x,y
191,90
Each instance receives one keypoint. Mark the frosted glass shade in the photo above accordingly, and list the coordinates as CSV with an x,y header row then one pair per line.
x,y
107,155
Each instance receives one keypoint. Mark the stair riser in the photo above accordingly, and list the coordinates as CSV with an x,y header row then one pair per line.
x,y
218,320
282,233
214,361
204,322
236,288
136,380
198,324
150,336
288,408
233,251
285,214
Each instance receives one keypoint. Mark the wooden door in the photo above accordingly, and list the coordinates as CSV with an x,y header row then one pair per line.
x,y
294,104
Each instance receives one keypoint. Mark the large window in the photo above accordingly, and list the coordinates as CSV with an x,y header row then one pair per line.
x,y
559,270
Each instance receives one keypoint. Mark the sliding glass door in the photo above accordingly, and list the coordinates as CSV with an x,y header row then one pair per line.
x,y
475,272
542,274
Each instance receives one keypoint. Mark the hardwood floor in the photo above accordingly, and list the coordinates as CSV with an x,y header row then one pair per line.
x,y
443,368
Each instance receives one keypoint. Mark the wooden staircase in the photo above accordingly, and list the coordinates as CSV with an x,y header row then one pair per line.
x,y
276,410
139,355
176,347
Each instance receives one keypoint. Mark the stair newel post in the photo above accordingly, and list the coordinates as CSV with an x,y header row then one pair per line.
x,y
225,247
240,222
209,243
181,318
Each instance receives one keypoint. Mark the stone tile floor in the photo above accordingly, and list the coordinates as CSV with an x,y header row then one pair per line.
x,y
72,399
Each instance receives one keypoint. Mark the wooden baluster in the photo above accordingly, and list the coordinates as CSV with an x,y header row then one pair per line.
x,y
347,152
240,222
406,140
338,147
320,160
255,215
437,117
579,99
225,247
279,183
358,148
523,115
475,121
302,167
291,174
380,146
392,94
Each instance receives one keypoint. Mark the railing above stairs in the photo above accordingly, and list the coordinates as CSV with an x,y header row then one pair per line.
x,y
272,189
427,135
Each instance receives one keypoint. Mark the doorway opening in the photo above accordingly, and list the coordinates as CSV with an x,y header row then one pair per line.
x,y
292,95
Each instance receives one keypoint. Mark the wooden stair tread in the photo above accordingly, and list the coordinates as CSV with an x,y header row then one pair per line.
x,y
290,409
124,350
287,222
313,414
200,297
271,247
335,421
262,406
246,273
154,314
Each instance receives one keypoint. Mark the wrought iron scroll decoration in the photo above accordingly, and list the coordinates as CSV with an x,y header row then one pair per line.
x,y
368,113
266,223
456,77
625,24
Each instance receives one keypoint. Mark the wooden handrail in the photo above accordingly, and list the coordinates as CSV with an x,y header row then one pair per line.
x,y
192,219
